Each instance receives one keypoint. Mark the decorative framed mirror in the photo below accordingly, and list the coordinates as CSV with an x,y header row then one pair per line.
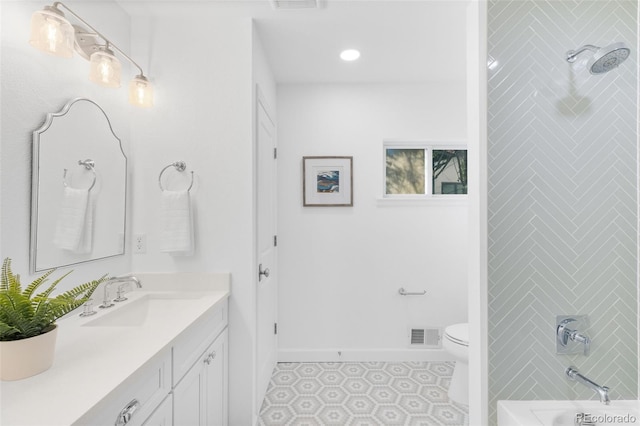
x,y
78,188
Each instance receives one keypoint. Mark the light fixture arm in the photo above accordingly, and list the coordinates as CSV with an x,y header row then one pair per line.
x,y
110,44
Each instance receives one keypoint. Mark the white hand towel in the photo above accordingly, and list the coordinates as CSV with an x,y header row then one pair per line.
x,y
86,239
175,222
71,219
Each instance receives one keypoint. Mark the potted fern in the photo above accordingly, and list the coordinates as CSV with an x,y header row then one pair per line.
x,y
27,321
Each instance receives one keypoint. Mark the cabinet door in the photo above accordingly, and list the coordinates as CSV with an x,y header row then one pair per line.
x,y
216,382
189,396
163,416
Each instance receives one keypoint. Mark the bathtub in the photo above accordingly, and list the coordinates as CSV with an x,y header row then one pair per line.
x,y
564,413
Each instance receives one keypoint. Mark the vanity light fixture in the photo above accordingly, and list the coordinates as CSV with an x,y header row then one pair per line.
x,y
52,33
141,92
349,55
105,68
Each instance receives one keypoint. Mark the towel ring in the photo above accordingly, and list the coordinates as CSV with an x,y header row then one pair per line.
x,y
179,166
89,165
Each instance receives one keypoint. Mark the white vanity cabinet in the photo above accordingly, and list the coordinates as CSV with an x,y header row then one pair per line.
x,y
163,416
200,373
127,362
201,396
137,397
183,385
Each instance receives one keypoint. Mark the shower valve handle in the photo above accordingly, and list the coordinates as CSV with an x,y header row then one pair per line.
x,y
581,338
565,334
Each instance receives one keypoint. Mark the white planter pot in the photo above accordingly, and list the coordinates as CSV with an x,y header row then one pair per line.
x,y
24,358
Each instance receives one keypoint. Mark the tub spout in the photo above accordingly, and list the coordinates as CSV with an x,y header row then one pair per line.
x,y
602,391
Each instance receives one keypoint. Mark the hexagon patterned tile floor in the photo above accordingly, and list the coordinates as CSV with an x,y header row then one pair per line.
x,y
361,394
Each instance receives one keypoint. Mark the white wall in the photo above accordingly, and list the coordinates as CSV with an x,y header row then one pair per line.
x,y
341,267
33,84
205,73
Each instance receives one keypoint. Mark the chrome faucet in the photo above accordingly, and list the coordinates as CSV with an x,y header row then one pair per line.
x,y
106,302
602,391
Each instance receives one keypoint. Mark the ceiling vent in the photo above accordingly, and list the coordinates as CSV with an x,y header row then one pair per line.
x,y
295,4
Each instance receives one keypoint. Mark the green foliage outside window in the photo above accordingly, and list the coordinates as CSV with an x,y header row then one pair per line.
x,y
449,171
405,171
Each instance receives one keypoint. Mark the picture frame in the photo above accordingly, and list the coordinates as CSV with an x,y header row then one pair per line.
x,y
327,181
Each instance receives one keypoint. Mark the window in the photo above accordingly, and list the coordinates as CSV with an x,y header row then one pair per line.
x,y
449,172
421,170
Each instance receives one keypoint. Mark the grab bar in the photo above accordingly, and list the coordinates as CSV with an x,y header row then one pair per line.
x,y
403,292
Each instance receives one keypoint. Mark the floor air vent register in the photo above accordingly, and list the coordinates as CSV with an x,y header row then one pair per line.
x,y
425,337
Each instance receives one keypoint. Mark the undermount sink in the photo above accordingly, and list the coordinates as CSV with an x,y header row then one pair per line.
x,y
147,309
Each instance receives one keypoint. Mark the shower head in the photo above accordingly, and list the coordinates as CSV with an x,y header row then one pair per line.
x,y
604,59
608,58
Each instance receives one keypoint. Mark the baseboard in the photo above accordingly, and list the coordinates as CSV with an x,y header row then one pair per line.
x,y
362,355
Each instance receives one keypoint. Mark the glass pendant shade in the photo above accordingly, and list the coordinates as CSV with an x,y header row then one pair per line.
x,y
105,69
52,33
141,92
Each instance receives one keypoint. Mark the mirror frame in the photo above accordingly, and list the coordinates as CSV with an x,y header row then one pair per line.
x,y
35,179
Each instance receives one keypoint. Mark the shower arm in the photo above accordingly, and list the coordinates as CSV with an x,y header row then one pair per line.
x,y
572,54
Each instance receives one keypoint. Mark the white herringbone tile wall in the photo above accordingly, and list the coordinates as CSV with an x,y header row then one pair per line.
x,y
562,197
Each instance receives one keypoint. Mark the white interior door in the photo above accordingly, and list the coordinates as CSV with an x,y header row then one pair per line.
x,y
267,288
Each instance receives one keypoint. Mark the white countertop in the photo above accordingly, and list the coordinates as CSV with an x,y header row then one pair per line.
x,y
90,362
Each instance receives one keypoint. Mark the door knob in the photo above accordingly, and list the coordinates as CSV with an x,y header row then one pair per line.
x,y
262,273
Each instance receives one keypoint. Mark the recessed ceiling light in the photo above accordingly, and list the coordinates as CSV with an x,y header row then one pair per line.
x,y
349,55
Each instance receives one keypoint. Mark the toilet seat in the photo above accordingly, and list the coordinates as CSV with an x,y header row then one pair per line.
x,y
458,334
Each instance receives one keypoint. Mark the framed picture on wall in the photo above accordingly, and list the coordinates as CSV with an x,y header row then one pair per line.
x,y
327,181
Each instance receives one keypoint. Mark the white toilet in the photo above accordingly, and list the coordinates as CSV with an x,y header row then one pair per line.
x,y
456,342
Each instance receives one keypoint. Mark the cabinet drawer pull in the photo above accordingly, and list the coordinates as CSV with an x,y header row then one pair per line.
x,y
127,412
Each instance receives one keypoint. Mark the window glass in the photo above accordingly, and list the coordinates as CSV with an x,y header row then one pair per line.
x,y
405,171
449,171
